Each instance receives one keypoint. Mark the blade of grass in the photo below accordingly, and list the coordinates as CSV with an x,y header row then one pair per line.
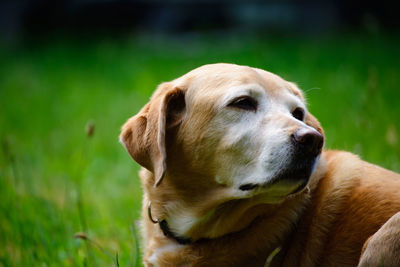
x,y
136,242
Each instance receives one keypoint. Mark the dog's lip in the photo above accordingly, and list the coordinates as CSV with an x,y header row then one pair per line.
x,y
302,172
253,186
248,186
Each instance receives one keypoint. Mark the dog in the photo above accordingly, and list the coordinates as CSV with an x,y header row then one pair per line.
x,y
235,174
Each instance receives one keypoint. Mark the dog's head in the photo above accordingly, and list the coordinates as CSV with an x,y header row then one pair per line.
x,y
227,126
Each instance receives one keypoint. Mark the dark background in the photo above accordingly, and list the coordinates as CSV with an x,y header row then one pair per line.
x,y
43,18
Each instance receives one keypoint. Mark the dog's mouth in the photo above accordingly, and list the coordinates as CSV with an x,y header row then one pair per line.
x,y
251,186
297,173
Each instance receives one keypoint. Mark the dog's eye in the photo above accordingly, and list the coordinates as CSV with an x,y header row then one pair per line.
x,y
244,102
298,113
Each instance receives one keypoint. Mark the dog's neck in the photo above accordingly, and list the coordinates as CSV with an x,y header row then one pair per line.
x,y
178,221
232,217
200,219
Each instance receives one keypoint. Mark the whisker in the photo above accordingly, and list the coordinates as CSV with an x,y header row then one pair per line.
x,y
311,89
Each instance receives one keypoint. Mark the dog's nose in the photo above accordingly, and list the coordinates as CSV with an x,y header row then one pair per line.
x,y
309,141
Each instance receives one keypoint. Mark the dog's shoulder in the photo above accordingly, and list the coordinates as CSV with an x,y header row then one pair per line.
x,y
359,188
352,201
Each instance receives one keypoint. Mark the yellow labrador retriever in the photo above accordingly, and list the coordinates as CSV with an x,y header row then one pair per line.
x,y
234,170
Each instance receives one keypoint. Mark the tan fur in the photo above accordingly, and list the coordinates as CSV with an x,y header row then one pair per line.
x,y
345,202
382,248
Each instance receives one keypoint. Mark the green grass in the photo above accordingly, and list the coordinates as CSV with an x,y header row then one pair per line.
x,y
56,182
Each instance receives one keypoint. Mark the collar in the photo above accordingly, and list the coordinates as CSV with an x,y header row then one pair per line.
x,y
166,230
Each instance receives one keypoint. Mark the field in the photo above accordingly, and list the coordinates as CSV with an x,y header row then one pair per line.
x,y
71,199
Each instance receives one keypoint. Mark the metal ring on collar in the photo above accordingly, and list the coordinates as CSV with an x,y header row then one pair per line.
x,y
149,213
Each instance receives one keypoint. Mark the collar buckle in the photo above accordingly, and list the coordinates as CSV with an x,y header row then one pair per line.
x,y
166,230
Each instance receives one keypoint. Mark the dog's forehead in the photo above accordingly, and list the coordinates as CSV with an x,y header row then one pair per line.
x,y
213,80
276,84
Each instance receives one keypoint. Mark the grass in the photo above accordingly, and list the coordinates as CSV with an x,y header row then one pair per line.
x,y
70,200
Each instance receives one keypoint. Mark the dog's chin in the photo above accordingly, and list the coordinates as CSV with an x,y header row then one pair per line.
x,y
288,181
297,173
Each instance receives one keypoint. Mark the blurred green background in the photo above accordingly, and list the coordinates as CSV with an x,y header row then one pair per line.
x,y
69,199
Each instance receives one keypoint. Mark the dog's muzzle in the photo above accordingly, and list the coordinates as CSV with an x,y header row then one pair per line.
x,y
306,146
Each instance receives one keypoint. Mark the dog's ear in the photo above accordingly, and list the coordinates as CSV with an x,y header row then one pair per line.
x,y
310,120
144,134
